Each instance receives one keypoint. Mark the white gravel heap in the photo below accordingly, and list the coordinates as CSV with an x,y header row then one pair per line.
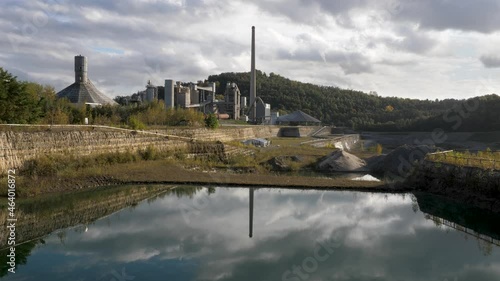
x,y
341,161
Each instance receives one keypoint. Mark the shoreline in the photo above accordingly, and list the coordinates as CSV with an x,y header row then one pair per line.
x,y
166,172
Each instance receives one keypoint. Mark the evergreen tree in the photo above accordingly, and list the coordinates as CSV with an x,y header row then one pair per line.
x,y
17,104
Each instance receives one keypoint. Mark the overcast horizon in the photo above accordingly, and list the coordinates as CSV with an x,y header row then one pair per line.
x,y
412,49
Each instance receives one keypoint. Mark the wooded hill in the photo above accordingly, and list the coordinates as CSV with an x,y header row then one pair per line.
x,y
344,107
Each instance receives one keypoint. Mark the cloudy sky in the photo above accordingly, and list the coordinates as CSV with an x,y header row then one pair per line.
x,y
408,48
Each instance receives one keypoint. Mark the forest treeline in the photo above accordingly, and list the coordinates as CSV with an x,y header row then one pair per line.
x,y
358,110
24,102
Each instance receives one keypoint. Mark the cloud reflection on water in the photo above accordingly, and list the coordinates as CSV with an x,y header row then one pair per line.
x,y
382,239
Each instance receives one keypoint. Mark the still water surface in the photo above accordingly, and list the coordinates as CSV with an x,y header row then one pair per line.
x,y
203,234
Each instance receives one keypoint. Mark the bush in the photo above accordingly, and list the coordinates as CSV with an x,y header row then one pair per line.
x,y
149,153
42,166
135,124
211,121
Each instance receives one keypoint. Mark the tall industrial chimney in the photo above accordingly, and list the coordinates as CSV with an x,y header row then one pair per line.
x,y
253,80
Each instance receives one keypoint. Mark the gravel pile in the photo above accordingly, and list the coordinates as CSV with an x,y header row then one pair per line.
x,y
401,160
341,161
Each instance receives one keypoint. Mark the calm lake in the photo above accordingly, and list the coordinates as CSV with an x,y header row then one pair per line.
x,y
195,233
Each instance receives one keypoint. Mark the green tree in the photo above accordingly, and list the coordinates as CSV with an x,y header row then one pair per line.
x,y
17,104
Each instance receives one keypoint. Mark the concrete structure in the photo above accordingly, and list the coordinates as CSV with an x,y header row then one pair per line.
x,y
151,92
83,91
195,96
253,82
274,117
160,91
183,97
169,93
232,98
263,112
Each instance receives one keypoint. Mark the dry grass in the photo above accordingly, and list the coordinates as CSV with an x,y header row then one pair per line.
x,y
482,159
63,174
165,171
171,172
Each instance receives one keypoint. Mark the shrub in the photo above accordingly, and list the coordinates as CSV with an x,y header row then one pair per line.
x,y
149,153
135,124
42,166
211,121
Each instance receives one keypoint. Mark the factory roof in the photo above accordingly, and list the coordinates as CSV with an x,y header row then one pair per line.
x,y
84,92
297,117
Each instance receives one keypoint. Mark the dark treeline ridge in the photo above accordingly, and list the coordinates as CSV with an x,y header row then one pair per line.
x,y
31,103
350,108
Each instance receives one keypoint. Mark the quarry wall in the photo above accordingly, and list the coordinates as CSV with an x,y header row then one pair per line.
x,y
239,133
21,143
18,146
476,186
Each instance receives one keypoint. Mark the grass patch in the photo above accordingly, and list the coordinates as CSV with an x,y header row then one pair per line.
x,y
169,172
62,164
482,159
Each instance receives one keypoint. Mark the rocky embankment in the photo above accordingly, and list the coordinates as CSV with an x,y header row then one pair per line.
x,y
57,212
473,186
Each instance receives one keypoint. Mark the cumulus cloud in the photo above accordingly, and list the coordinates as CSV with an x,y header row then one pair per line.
x,y
480,16
490,61
356,43
465,15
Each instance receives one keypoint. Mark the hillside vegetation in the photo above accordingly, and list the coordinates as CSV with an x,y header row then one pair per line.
x,y
24,102
27,102
344,107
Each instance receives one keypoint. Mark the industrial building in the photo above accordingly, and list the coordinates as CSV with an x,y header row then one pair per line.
x,y
190,95
200,96
83,91
174,94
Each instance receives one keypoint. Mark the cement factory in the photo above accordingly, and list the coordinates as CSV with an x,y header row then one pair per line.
x,y
175,94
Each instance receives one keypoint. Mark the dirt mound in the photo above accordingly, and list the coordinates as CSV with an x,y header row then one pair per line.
x,y
341,161
401,160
